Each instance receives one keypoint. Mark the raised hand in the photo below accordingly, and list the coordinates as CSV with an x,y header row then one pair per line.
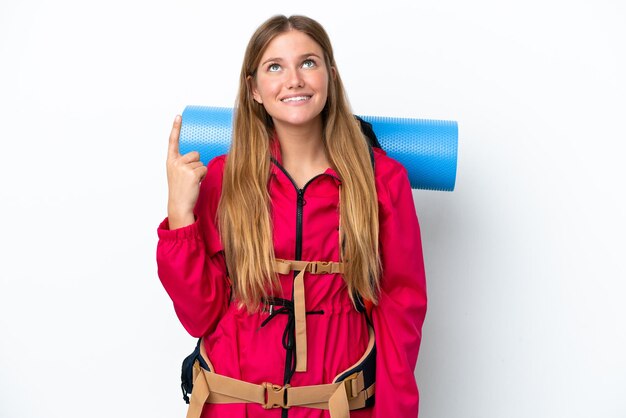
x,y
184,174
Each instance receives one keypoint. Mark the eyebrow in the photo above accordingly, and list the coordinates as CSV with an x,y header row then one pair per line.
x,y
278,59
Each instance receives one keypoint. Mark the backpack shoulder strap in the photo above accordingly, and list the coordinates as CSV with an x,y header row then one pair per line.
x,y
362,305
368,131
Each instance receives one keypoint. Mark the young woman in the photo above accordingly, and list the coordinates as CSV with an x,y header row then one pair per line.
x,y
271,252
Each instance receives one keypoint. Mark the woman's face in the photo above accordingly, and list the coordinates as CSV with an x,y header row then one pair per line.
x,y
292,80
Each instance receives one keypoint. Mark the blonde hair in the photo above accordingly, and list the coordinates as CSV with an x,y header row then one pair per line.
x,y
244,208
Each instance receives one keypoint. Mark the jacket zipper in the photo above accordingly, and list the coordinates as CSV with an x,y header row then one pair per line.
x,y
299,215
299,207
298,253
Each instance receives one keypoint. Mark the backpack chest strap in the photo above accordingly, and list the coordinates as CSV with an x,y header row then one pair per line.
x,y
312,267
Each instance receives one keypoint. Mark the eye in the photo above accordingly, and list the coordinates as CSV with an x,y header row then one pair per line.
x,y
308,63
273,67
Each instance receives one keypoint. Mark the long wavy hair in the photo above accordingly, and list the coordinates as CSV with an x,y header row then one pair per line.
x,y
244,209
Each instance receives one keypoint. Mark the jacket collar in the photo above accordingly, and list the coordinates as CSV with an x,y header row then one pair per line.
x,y
277,160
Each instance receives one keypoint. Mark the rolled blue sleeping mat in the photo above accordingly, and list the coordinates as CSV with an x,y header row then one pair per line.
x,y
426,148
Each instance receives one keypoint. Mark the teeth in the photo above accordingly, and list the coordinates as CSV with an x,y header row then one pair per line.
x,y
296,99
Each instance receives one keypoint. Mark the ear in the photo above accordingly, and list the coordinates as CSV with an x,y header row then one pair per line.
x,y
255,92
333,73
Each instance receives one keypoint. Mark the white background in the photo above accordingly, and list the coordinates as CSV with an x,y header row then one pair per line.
x,y
524,259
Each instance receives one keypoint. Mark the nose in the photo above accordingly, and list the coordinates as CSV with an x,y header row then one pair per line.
x,y
294,79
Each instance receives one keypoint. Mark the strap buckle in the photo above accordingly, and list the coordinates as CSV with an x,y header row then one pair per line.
x,y
275,396
351,384
321,267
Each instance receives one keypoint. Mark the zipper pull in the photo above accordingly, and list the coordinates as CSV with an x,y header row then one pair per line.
x,y
301,200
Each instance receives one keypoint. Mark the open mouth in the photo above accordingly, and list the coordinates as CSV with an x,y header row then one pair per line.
x,y
295,99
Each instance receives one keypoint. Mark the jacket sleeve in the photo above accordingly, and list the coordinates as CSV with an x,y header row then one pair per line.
x,y
399,315
191,264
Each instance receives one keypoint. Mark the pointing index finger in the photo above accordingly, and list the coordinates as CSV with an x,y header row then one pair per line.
x,y
172,149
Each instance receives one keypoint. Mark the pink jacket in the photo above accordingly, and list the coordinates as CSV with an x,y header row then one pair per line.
x,y
192,269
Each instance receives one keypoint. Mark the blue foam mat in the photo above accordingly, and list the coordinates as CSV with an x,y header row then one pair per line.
x,y
427,148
